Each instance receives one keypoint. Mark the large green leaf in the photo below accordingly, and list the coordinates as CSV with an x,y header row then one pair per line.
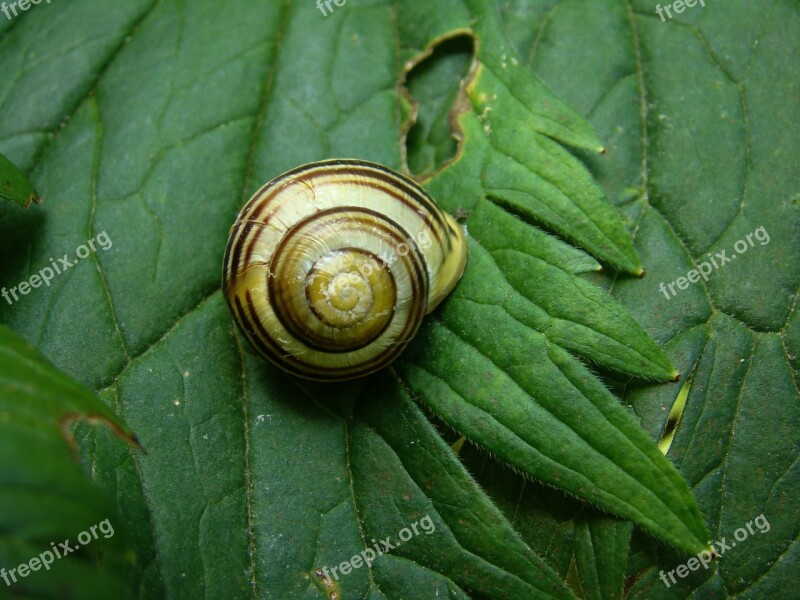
x,y
53,521
700,118
517,391
154,121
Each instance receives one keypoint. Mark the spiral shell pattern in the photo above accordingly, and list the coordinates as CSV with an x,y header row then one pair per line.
x,y
331,267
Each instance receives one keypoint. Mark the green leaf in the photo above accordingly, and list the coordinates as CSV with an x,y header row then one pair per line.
x,y
154,121
570,431
601,555
402,468
700,137
45,498
14,186
587,548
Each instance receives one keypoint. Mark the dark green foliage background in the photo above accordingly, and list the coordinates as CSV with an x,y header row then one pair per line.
x,y
154,120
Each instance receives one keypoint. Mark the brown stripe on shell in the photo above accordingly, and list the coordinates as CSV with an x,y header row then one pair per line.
x,y
364,171
387,190
291,364
252,239
268,201
290,320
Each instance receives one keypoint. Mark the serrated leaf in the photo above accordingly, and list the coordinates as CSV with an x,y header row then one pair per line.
x,y
154,121
586,547
402,469
494,394
700,143
601,555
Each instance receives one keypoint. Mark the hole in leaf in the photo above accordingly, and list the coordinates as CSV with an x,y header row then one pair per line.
x,y
435,83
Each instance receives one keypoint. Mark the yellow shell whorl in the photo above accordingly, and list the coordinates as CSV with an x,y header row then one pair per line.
x,y
330,267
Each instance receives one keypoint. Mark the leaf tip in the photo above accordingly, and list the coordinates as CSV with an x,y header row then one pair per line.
x,y
676,376
133,441
117,428
32,199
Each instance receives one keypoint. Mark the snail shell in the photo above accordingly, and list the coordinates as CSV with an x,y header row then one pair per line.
x,y
331,267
